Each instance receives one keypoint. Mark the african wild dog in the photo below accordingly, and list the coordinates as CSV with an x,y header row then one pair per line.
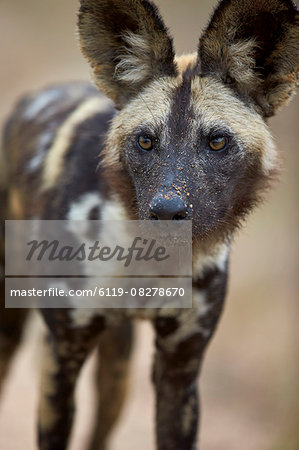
x,y
192,127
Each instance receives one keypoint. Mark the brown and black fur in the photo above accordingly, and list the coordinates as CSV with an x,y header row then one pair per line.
x,y
245,69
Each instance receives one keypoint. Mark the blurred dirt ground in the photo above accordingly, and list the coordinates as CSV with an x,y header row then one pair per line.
x,y
250,380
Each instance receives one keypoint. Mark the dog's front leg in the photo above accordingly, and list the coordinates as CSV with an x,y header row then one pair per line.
x,y
65,350
181,339
175,379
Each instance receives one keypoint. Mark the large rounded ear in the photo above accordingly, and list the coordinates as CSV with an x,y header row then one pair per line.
x,y
127,45
253,45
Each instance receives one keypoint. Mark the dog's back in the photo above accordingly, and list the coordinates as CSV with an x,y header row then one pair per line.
x,y
51,147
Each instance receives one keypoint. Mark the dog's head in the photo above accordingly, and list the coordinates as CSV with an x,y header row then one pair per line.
x,y
190,140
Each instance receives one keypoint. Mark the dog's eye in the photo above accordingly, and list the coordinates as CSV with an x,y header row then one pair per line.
x,y
218,143
145,143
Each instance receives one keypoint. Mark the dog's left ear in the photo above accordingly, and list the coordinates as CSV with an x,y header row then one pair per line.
x,y
253,46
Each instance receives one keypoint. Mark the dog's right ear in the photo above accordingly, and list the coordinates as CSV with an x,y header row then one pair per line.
x,y
127,45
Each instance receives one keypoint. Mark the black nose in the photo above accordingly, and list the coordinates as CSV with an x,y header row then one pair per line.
x,y
167,207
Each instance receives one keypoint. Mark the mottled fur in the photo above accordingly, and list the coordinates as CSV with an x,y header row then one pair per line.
x,y
244,70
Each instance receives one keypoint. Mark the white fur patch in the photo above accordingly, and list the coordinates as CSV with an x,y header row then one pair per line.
x,y
58,284
79,212
134,65
200,304
82,317
110,211
217,258
81,208
41,102
188,325
36,162
270,156
113,210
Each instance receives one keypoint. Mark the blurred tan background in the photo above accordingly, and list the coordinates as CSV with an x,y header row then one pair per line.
x,y
250,380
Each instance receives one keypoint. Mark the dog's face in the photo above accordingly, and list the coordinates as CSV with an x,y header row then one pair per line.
x,y
190,140
192,150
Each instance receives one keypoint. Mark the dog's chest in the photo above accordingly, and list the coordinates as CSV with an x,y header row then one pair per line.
x,y
113,210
